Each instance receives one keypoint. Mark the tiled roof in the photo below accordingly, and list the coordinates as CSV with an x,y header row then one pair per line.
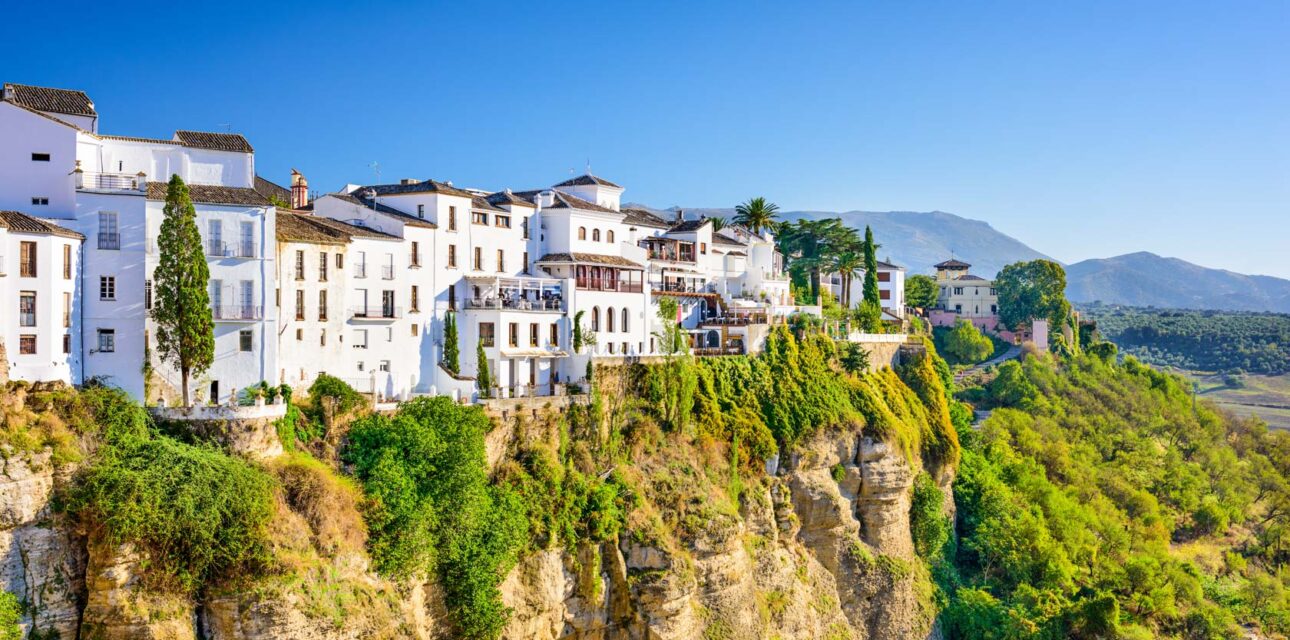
x,y
480,202
970,278
424,186
353,230
23,223
588,258
561,200
214,141
506,197
643,218
269,189
883,264
587,179
72,103
721,238
42,114
212,194
736,253
688,225
952,264
298,227
405,218
102,136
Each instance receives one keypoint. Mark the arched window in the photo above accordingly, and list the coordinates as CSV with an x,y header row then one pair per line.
x,y
609,236
609,320
595,319
624,328
595,235
582,233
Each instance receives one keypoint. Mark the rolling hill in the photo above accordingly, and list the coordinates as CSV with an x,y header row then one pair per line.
x,y
1145,279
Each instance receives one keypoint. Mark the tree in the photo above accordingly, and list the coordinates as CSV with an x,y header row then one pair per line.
x,y
965,344
181,298
1032,290
756,214
855,359
451,354
921,291
483,378
847,263
810,245
719,223
871,268
869,316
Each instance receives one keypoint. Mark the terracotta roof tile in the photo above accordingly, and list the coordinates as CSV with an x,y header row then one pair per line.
x,y
587,179
298,227
424,186
66,101
212,194
353,230
405,218
23,223
643,218
480,202
214,141
589,258
506,197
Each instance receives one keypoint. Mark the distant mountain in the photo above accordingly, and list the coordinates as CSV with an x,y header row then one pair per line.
x,y
918,240
1146,279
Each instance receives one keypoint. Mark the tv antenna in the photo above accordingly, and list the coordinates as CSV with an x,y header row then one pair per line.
x,y
228,127
376,168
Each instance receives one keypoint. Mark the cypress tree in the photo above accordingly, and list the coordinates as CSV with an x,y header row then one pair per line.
x,y
181,299
870,268
451,354
483,378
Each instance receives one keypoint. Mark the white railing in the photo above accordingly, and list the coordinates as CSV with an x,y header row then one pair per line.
x,y
111,181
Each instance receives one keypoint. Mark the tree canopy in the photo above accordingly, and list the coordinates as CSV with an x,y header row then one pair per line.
x,y
921,291
1030,291
756,214
181,297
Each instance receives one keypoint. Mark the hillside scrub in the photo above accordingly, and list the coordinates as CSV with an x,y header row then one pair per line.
x,y
1222,341
963,343
1078,495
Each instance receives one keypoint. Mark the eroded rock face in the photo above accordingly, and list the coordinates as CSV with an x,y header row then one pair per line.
x,y
119,607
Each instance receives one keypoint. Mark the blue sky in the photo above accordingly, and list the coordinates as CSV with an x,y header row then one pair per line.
x,y
1084,129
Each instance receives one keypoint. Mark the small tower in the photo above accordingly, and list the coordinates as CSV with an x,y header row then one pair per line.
x,y
951,269
299,190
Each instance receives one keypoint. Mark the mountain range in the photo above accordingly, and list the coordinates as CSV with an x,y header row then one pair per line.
x,y
918,240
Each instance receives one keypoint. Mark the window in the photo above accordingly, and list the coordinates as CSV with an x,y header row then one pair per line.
x,y
524,224
300,264
387,304
387,270
534,334
421,211
360,366
452,256
513,334
322,338
501,220
384,366
107,340
217,294
479,217
884,294
884,276
27,259
300,304
703,248
360,339
595,318
452,297
609,320
994,308
107,287
526,262
67,262
361,271
624,327
595,235
479,259
300,334
215,237
322,305
501,260
609,236
109,231
486,330
452,218
555,334
27,344
67,343
67,309
322,266
582,233
340,261
992,292
246,339
40,157
415,258
416,329
246,244
624,347
40,202
611,347
27,309
147,294
415,300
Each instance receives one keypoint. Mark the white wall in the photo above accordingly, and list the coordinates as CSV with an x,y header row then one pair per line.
x,y
23,133
49,362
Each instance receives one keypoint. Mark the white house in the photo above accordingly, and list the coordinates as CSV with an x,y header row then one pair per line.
x,y
39,267
891,288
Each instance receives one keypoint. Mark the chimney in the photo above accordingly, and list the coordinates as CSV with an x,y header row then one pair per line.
x,y
409,181
299,190
680,215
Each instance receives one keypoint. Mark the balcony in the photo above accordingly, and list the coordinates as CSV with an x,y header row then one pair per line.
x,y
683,287
387,272
601,284
240,313
380,313
216,249
111,181
360,270
110,241
509,304
777,276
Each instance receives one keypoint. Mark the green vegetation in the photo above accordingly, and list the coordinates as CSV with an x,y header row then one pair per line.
x,y
1221,341
432,510
10,616
1030,291
451,351
871,295
963,343
330,390
1097,501
921,291
756,214
483,377
181,298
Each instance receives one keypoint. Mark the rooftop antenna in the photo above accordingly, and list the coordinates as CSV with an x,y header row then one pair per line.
x,y
228,127
376,168
588,165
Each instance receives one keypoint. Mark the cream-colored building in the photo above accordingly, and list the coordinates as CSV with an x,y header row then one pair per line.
x,y
963,293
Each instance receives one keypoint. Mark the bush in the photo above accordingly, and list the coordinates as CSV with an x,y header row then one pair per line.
x,y
928,525
964,343
10,616
325,386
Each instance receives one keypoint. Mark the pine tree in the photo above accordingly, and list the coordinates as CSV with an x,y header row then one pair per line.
x,y
483,378
181,301
870,268
451,354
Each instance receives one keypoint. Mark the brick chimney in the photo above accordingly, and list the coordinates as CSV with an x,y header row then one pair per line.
x,y
299,190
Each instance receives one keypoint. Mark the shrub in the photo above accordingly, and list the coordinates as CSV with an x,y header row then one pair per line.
x,y
964,343
928,525
326,386
10,616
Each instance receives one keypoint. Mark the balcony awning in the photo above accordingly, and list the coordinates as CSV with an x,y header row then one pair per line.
x,y
532,352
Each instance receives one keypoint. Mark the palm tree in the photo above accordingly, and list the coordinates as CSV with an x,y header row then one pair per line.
x,y
719,223
847,263
756,214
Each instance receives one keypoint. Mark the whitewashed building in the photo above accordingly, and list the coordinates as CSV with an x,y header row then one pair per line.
x,y
39,267
891,289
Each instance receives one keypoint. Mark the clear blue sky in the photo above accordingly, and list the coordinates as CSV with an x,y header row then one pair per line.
x,y
1084,129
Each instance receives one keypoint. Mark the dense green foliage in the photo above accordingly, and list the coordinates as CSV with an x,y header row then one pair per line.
x,y
756,214
201,516
328,389
10,616
1222,341
1098,502
483,377
921,291
1030,291
181,308
433,511
871,294
451,349
963,343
